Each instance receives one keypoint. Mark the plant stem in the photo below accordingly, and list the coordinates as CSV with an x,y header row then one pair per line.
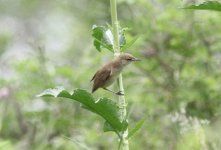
x,y
116,47
115,25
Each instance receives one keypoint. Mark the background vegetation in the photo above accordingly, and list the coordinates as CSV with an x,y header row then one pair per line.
x,y
176,87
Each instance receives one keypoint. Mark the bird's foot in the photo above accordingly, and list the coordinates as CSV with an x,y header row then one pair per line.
x,y
120,93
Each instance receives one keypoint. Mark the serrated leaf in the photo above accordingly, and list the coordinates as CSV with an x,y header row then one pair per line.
x,y
129,44
122,39
136,128
107,127
108,37
109,47
104,107
98,35
103,38
209,5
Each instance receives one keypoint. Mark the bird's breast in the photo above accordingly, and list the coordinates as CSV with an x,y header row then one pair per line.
x,y
113,77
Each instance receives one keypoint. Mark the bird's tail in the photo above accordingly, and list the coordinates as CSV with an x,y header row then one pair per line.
x,y
93,89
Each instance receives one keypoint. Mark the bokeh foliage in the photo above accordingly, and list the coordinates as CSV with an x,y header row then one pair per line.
x,y
176,87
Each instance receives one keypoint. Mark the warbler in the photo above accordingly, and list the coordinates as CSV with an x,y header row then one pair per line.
x,y
107,74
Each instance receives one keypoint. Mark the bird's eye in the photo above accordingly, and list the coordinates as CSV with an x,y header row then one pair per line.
x,y
129,59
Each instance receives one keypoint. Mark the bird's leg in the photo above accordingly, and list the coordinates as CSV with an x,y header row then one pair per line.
x,y
117,93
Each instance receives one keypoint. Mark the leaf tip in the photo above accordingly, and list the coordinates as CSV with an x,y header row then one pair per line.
x,y
51,92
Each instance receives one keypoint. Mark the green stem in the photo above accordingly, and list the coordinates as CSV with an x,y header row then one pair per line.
x,y
116,47
115,25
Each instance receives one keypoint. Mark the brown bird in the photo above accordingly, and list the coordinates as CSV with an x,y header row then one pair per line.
x,y
106,75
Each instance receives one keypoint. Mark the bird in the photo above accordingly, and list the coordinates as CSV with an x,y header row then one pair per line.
x,y
110,71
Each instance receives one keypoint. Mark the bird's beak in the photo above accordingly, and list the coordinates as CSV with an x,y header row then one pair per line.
x,y
136,59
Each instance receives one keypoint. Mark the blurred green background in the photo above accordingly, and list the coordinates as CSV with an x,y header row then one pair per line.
x,y
176,87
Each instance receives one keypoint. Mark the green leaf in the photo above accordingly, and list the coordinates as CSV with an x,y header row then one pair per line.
x,y
104,107
107,127
136,128
98,35
108,37
209,5
129,44
103,38
109,47
122,39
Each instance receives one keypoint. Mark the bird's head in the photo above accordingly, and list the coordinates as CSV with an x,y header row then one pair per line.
x,y
126,58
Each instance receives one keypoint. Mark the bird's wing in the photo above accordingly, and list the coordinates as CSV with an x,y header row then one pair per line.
x,y
100,78
93,76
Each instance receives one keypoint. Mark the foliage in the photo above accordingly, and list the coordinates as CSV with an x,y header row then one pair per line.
x,y
136,128
103,37
208,5
176,86
110,111
104,107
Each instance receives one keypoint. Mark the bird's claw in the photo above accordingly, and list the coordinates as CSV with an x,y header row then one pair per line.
x,y
120,93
